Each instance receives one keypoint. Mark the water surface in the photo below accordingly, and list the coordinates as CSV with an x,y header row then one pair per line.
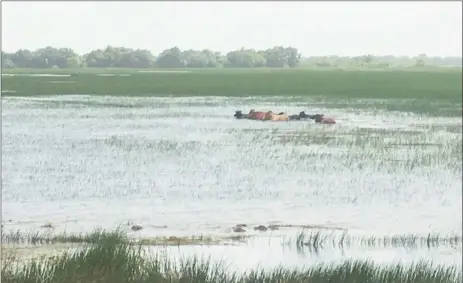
x,y
82,162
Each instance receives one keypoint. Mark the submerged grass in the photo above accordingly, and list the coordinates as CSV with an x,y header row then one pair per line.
x,y
40,238
114,262
118,236
316,240
386,150
310,237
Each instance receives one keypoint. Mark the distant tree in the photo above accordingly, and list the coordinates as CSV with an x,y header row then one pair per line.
x,y
7,60
245,58
275,57
420,60
280,57
170,58
294,58
367,59
119,57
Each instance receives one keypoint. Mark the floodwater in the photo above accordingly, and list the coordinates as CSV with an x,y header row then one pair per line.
x,y
185,166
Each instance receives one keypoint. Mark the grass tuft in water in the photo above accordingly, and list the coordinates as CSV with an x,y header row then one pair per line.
x,y
316,240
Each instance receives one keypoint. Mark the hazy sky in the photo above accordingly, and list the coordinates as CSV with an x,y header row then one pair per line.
x,y
316,28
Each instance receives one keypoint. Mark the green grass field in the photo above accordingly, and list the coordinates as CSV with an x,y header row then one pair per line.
x,y
110,258
435,85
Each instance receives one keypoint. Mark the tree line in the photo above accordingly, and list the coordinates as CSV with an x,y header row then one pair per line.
x,y
275,57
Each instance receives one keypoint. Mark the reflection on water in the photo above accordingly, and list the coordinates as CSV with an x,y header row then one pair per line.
x,y
269,253
84,161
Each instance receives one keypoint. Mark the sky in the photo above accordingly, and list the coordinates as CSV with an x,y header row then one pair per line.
x,y
315,28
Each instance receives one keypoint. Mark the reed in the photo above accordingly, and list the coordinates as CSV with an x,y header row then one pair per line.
x,y
315,240
113,261
42,238
36,238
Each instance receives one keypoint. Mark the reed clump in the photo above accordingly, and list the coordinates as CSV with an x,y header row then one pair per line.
x,y
316,240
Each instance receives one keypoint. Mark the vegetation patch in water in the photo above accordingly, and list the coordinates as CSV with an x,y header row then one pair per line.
x,y
118,236
40,238
114,261
317,240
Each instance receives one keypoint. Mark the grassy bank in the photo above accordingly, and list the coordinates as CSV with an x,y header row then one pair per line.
x,y
111,259
223,70
434,85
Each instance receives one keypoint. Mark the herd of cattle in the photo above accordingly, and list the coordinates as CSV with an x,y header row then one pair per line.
x,y
271,116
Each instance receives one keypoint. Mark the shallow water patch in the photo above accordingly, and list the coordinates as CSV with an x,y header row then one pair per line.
x,y
186,162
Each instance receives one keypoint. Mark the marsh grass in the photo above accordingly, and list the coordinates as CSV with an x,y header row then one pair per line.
x,y
42,238
180,241
387,150
113,262
118,236
314,241
437,86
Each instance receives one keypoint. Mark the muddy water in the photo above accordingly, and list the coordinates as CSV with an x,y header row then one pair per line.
x,y
82,162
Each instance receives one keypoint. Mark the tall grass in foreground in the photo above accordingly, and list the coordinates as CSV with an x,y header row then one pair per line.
x,y
110,260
